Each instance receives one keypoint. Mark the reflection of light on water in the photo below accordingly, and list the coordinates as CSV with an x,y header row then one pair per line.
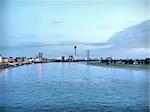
x,y
4,71
40,67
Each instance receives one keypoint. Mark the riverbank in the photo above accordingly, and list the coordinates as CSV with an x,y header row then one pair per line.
x,y
4,65
134,66
7,65
15,64
94,63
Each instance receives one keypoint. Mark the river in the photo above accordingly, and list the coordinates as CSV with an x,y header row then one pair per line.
x,y
73,87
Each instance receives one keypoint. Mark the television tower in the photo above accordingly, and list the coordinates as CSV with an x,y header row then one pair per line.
x,y
75,52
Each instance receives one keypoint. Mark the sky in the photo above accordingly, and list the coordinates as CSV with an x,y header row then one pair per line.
x,y
48,21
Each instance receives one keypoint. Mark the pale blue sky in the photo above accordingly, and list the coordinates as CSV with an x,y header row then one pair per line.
x,y
86,21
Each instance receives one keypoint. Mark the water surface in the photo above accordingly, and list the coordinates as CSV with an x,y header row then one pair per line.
x,y
73,87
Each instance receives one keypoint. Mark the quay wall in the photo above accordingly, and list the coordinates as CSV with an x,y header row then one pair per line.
x,y
4,65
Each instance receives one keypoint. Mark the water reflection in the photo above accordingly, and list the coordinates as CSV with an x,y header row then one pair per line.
x,y
40,73
4,74
40,70
4,71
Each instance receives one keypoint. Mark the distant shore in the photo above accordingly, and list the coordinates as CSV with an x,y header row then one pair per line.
x,y
94,63
134,66
16,64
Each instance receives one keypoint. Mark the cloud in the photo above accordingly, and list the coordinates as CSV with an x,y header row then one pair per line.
x,y
57,35
141,50
67,43
57,22
134,36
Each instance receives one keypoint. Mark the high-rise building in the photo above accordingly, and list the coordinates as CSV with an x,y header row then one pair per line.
x,y
40,55
88,54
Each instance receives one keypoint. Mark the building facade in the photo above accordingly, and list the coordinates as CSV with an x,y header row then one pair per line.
x,y
1,59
